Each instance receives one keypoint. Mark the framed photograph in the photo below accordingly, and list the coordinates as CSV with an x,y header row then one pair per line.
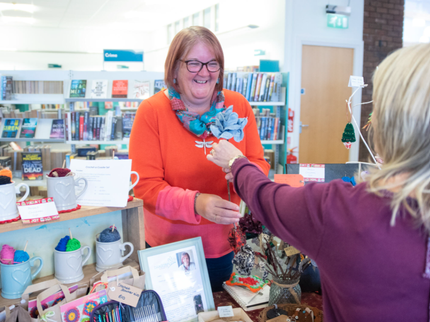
x,y
178,273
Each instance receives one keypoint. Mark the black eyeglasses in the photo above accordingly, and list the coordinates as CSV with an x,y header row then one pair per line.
x,y
195,66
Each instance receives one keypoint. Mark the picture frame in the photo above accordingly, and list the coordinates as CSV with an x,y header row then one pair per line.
x,y
178,273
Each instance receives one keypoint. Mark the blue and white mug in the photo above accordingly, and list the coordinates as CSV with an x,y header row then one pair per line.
x,y
15,278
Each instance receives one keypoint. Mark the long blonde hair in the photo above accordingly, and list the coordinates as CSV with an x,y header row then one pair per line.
x,y
401,130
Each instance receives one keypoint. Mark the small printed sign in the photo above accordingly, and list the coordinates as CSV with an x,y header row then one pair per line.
x,y
225,311
312,172
293,180
39,210
290,251
126,294
356,81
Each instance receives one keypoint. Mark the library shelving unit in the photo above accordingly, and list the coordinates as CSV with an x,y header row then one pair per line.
x,y
279,108
133,231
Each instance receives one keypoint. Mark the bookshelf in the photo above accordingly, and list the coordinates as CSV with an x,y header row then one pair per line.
x,y
277,107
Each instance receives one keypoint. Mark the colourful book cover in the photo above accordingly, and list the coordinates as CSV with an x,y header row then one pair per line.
x,y
28,128
32,168
80,309
78,88
99,88
57,129
141,89
10,128
119,88
159,85
127,124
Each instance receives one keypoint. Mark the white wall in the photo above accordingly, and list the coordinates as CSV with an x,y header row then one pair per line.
x,y
306,23
76,49
239,44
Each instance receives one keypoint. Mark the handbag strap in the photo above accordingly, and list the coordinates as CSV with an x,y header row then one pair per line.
x,y
119,271
50,291
38,287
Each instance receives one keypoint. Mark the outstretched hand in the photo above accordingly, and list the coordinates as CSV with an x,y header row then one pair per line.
x,y
216,209
222,153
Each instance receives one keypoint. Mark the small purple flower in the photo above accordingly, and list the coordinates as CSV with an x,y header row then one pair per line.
x,y
228,125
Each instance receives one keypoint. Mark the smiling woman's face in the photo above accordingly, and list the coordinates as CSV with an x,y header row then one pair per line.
x,y
197,88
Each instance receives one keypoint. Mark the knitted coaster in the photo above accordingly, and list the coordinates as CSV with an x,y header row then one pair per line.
x,y
253,283
10,220
70,210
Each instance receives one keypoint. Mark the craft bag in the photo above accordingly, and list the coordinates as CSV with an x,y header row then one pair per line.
x,y
52,314
136,281
18,314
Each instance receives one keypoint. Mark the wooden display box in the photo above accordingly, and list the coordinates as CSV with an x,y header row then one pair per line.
x,y
239,315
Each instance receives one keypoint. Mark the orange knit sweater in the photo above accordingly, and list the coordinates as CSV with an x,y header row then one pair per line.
x,y
173,169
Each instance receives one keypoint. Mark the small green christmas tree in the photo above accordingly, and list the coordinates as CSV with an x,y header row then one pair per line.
x,y
348,135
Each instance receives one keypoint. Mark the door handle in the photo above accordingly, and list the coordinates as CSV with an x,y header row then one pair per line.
x,y
302,125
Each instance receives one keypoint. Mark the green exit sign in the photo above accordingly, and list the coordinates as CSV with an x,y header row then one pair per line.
x,y
337,21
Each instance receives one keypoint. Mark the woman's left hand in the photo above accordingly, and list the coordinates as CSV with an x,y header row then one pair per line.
x,y
222,153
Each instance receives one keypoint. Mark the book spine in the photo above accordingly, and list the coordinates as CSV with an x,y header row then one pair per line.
x,y
258,87
267,87
272,82
90,128
85,131
77,122
253,86
99,125
81,127
112,134
263,87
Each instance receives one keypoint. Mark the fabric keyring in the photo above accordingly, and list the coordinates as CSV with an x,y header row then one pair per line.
x,y
193,122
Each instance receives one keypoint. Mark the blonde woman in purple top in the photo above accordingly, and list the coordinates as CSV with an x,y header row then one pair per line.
x,y
370,241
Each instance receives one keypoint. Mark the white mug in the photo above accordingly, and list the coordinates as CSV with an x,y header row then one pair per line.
x,y
108,255
135,183
8,194
63,191
68,265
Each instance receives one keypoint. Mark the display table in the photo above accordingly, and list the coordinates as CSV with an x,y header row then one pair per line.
x,y
224,299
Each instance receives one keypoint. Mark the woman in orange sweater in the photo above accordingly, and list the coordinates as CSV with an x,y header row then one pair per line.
x,y
184,195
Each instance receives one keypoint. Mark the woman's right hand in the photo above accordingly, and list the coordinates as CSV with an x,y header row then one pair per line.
x,y
217,210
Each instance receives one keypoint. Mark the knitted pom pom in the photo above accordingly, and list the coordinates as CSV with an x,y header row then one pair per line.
x,y
6,254
20,256
6,173
59,172
108,236
4,180
73,244
62,245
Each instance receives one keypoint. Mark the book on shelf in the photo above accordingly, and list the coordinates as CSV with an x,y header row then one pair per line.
x,y
119,88
127,124
11,128
140,89
32,166
85,129
28,128
6,87
159,85
78,88
246,299
99,88
81,127
57,129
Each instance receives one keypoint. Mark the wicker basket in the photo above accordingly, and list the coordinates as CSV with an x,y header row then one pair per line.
x,y
291,308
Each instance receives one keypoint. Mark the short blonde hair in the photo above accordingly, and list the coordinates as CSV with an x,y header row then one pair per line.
x,y
182,44
401,130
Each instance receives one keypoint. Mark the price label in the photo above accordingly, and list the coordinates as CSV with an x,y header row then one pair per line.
x,y
225,311
126,294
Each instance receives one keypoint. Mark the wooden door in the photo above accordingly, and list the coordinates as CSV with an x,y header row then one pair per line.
x,y
325,76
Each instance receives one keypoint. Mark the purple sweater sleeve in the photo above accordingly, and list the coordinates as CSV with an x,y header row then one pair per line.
x,y
293,214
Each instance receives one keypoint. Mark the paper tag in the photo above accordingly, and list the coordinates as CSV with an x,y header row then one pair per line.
x,y
290,251
293,180
126,294
355,81
225,311
312,172
40,210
